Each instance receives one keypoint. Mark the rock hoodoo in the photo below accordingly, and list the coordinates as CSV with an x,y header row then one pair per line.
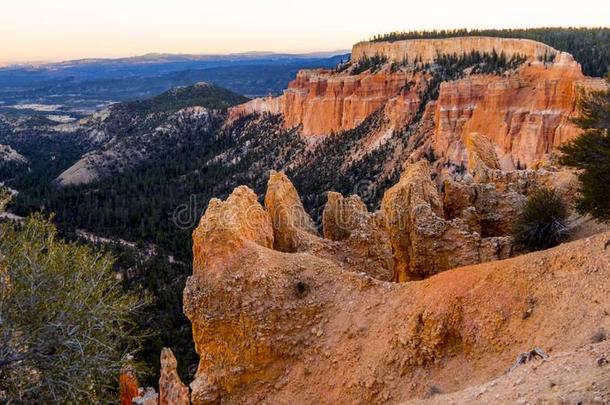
x,y
423,241
293,228
244,335
229,225
129,386
171,389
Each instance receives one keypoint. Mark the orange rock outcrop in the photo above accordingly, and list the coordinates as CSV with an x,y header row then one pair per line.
x,y
275,327
526,115
171,389
230,224
293,228
424,242
129,386
323,102
361,235
241,334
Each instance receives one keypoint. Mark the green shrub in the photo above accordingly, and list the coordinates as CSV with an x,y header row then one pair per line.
x,y
542,224
65,322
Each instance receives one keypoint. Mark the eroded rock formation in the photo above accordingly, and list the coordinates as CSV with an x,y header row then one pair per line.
x,y
423,241
171,389
293,228
298,327
282,315
323,102
243,335
342,216
129,386
363,240
526,115
229,225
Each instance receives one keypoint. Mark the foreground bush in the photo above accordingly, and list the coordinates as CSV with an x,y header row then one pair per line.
x,y
65,322
542,224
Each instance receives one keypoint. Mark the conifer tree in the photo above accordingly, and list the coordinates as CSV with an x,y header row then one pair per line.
x,y
590,153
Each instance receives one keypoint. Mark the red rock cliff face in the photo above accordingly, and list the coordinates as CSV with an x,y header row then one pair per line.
x,y
323,102
525,112
526,115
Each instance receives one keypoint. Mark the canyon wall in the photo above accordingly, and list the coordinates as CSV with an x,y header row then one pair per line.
x,y
427,50
526,115
323,102
525,111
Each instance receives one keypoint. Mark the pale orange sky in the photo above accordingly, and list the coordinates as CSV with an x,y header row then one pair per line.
x,y
68,29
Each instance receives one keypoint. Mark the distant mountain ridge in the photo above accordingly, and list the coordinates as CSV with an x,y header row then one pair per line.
x,y
173,57
79,88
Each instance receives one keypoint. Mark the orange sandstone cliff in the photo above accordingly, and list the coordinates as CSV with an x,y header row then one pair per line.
x,y
527,115
525,111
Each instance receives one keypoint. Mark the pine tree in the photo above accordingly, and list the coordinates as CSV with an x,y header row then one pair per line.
x,y
590,153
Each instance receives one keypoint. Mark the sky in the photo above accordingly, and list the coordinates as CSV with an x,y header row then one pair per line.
x,y
44,30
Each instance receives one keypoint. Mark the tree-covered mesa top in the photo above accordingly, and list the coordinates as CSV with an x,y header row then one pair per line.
x,y
589,46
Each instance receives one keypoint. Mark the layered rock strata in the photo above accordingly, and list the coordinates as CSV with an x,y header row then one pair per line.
x,y
427,50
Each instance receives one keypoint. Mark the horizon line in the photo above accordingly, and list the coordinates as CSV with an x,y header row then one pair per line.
x,y
49,61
